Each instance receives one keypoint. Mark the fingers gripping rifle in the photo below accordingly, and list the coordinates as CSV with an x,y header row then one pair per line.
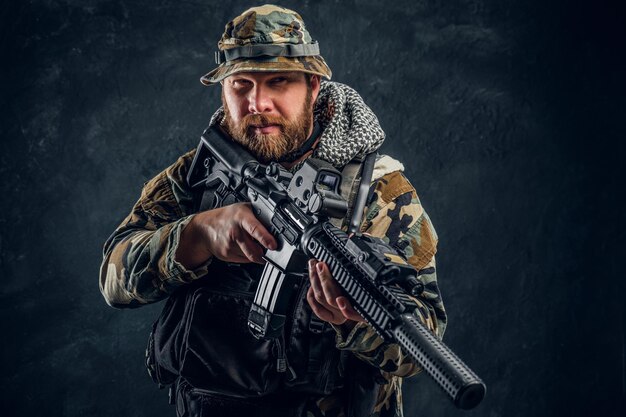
x,y
296,209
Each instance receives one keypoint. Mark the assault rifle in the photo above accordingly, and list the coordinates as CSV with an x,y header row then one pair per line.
x,y
296,209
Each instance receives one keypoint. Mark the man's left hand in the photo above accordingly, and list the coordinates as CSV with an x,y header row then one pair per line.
x,y
325,297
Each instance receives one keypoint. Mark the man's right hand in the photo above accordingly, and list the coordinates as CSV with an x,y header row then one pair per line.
x,y
231,233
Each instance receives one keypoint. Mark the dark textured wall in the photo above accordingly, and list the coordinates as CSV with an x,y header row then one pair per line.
x,y
508,116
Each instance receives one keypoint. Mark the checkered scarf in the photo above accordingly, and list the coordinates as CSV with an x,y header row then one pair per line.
x,y
350,128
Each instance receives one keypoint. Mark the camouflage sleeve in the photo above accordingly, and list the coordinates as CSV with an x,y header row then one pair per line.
x,y
394,213
139,266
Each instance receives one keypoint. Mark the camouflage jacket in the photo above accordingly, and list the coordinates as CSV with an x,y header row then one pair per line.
x,y
139,266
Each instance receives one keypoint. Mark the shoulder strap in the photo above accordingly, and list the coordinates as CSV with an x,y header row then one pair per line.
x,y
355,184
360,194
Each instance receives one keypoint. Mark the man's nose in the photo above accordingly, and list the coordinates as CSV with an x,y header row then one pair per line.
x,y
260,100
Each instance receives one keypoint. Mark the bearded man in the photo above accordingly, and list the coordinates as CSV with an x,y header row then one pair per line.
x,y
329,361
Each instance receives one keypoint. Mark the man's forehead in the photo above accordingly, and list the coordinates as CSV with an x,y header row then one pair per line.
x,y
261,75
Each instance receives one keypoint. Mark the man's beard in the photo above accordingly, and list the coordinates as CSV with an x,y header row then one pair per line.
x,y
271,147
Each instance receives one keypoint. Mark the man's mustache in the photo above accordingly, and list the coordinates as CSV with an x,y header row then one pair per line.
x,y
260,120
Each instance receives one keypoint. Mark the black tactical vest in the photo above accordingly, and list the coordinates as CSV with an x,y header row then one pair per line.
x,y
202,338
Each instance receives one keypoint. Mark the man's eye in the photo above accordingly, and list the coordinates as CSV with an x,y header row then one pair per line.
x,y
241,83
279,80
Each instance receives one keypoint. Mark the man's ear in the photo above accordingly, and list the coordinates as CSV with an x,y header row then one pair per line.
x,y
315,87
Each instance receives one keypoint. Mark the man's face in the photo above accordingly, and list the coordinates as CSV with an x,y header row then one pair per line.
x,y
270,113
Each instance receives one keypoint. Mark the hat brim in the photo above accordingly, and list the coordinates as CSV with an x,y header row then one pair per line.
x,y
308,64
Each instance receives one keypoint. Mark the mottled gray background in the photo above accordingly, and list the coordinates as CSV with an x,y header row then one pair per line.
x,y
508,115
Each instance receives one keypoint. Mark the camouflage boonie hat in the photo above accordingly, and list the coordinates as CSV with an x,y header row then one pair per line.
x,y
266,38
